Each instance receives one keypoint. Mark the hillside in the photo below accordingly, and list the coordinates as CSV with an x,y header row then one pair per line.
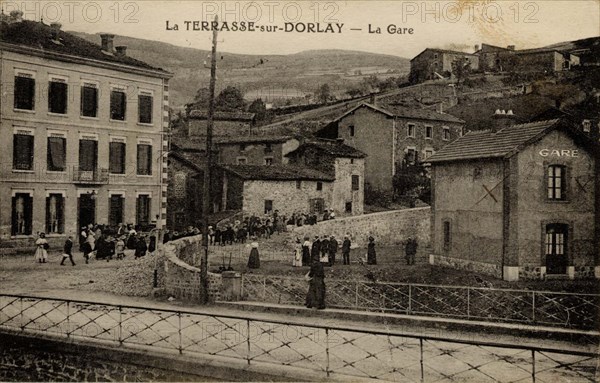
x,y
266,76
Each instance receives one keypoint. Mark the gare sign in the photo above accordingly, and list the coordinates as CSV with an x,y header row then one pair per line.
x,y
559,153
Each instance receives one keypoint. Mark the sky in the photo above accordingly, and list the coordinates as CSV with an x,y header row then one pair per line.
x,y
459,24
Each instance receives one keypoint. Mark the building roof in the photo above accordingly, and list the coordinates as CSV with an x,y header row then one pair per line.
x,y
443,51
277,173
251,139
395,110
37,35
335,148
222,116
178,157
487,144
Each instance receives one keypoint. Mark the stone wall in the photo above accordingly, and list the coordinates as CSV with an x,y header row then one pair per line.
x,y
182,280
389,228
467,265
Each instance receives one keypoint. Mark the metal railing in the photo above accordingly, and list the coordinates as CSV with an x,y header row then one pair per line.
x,y
333,350
569,310
95,176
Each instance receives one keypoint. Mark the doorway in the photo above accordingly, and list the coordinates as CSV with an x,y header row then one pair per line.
x,y
86,210
556,248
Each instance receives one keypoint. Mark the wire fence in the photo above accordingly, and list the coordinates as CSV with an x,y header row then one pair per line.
x,y
333,350
568,310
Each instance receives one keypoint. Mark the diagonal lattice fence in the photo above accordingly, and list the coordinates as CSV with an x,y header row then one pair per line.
x,y
568,310
327,348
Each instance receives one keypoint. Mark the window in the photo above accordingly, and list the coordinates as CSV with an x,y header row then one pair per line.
x,y
351,161
447,239
268,160
411,156
57,148
144,159
145,108
268,206
298,184
89,100
428,153
88,155
57,96
24,92
319,186
429,132
117,157
435,56
22,210
241,161
348,207
556,246
23,150
143,210
317,205
55,214
242,147
587,126
446,134
556,182
355,182
116,204
268,148
351,129
410,130
118,102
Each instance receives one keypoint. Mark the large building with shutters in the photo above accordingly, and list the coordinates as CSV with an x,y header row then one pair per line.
x,y
83,127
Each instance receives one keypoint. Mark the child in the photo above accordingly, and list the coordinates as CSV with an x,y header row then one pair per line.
x,y
120,248
68,251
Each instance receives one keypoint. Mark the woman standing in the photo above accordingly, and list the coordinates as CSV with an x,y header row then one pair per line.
x,y
306,251
316,288
297,262
254,259
371,254
41,253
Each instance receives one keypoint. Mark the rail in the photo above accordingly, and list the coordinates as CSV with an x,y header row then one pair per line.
x,y
568,310
328,348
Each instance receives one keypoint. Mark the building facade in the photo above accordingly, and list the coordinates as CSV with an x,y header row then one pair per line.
x,y
84,127
255,150
390,134
437,63
517,203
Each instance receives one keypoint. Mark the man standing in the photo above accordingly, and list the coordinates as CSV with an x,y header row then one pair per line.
x,y
346,250
325,250
315,251
68,251
333,248
410,250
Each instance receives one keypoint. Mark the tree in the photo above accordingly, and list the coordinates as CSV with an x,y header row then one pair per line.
x,y
230,99
411,179
259,108
200,101
460,68
323,94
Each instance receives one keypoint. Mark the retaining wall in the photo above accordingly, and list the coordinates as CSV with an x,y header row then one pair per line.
x,y
388,228
182,280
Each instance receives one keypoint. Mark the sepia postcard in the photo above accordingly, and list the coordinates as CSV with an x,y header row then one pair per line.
x,y
272,190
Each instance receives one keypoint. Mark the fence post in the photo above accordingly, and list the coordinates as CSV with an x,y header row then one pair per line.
x,y
264,288
533,306
22,316
179,332
68,320
356,296
421,360
468,302
533,366
248,340
409,299
120,326
327,350
242,287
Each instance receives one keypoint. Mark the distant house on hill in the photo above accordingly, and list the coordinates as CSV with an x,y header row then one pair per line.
x,y
255,150
498,59
390,134
433,63
517,203
225,123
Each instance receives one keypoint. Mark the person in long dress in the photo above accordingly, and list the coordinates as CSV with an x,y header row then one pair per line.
x,y
254,259
306,251
41,245
297,262
316,288
371,254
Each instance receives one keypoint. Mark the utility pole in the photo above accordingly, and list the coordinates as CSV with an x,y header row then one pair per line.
x,y
207,200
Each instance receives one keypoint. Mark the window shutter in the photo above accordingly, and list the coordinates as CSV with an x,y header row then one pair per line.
x,y
145,109
28,214
87,155
14,216
48,217
60,213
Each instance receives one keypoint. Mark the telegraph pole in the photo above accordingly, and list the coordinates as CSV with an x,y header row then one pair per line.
x,y
207,200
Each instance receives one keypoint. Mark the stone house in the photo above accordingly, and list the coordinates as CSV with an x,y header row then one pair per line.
x,y
84,127
345,163
184,205
224,123
389,134
433,63
499,59
255,150
259,189
519,202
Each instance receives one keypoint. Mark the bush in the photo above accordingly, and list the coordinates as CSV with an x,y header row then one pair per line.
x,y
375,197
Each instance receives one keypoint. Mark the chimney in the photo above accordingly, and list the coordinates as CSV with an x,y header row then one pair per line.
x,y
121,50
55,30
372,99
510,47
16,16
107,42
476,48
501,119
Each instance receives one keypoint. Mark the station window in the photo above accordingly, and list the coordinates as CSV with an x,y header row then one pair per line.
x,y
556,182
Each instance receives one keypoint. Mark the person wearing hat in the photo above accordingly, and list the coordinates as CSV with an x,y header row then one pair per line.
x,y
410,249
41,247
346,250
333,248
371,254
254,259
315,251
